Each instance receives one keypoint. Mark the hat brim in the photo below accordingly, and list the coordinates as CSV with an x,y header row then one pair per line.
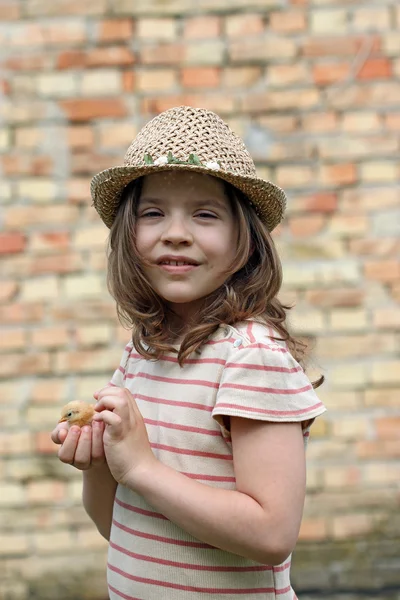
x,y
107,186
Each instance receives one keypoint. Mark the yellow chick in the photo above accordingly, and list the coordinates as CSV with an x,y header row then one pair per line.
x,y
77,413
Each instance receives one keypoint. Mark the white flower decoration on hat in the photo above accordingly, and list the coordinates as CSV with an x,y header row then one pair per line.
x,y
212,165
161,160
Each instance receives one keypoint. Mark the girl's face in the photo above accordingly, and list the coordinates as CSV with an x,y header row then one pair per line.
x,y
186,230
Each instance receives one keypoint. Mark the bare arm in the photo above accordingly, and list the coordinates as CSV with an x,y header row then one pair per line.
x,y
261,519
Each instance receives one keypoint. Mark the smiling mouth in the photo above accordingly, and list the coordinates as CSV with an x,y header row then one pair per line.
x,y
177,263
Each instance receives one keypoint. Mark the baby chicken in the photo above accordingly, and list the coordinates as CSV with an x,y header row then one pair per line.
x,y
77,413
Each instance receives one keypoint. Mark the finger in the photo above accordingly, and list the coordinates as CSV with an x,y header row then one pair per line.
x,y
108,417
98,455
83,452
59,433
67,451
62,434
112,403
111,390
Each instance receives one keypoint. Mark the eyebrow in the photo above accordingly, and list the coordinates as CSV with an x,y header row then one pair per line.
x,y
211,202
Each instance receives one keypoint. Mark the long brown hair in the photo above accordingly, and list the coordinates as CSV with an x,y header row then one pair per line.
x,y
250,290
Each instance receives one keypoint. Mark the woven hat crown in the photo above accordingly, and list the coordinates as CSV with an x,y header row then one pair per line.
x,y
185,130
193,139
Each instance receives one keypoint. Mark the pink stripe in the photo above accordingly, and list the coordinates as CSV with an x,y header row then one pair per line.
x,y
174,402
194,567
190,361
283,590
250,333
209,477
188,452
263,367
213,432
121,369
265,390
267,347
121,594
269,412
159,538
176,380
186,588
140,511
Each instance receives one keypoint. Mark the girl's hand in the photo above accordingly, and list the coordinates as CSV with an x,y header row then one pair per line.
x,y
126,443
80,447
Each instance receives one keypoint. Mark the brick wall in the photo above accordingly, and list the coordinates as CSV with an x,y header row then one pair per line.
x,y
313,87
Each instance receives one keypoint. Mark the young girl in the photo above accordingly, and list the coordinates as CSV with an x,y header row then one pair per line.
x,y
194,465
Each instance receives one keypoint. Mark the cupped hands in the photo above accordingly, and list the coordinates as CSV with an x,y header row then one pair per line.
x,y
126,443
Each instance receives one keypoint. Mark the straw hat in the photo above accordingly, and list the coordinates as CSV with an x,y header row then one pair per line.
x,y
191,139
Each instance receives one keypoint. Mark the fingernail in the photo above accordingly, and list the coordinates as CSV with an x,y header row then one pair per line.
x,y
86,428
75,430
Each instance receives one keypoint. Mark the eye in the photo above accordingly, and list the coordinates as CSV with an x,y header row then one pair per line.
x,y
205,214
70,413
151,213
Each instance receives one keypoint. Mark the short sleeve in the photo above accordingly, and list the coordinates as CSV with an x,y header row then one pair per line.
x,y
118,379
263,381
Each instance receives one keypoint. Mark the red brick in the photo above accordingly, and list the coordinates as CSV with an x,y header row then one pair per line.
x,y
66,262
382,449
50,241
324,202
71,59
219,103
339,46
203,77
241,76
9,11
382,270
12,243
27,165
80,136
328,73
375,247
115,30
336,297
21,313
392,121
8,290
25,364
339,174
202,28
376,68
110,56
307,225
387,318
30,62
288,21
319,122
93,108
162,54
241,25
313,529
388,427
43,443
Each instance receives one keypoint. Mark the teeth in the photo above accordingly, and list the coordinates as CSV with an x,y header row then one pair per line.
x,y
175,263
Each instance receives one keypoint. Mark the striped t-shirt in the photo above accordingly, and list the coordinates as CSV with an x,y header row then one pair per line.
x,y
241,372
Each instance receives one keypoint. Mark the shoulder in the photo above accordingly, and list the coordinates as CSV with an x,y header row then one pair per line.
x,y
257,336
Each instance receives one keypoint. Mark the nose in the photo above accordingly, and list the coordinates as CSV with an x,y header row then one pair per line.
x,y
177,231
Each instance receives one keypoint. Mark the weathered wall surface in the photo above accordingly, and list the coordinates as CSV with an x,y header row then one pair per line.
x,y
313,87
